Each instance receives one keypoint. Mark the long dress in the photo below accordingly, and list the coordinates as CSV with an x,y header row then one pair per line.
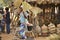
x,y
23,25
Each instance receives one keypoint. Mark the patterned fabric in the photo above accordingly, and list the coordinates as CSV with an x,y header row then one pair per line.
x,y
23,25
22,18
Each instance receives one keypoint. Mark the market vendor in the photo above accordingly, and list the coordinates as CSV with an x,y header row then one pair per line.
x,y
23,20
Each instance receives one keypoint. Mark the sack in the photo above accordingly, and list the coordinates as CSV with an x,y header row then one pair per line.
x,y
38,29
58,29
54,37
52,28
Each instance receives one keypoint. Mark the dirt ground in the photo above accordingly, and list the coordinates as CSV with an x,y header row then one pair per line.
x,y
11,36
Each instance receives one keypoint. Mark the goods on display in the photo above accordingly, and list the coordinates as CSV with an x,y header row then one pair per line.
x,y
52,28
58,29
44,30
38,29
36,10
54,37
17,3
26,6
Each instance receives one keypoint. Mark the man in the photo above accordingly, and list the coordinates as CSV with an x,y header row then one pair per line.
x,y
7,20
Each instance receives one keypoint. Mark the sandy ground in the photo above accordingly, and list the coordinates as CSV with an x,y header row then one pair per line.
x,y
11,36
7,36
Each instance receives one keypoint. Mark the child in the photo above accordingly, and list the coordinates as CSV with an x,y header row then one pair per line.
x,y
1,17
0,27
3,25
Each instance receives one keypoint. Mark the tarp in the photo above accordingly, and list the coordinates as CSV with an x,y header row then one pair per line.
x,y
26,6
30,0
36,10
39,1
17,3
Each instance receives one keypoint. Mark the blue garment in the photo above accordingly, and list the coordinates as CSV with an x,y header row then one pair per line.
x,y
3,24
22,25
8,17
3,21
8,28
21,32
0,28
22,18
8,22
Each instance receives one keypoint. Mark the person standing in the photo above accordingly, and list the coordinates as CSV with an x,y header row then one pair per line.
x,y
22,21
7,20
3,24
1,17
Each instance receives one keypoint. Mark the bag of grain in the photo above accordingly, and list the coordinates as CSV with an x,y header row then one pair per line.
x,y
38,29
58,29
44,30
53,37
52,28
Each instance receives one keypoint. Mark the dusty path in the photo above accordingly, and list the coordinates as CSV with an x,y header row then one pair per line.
x,y
11,36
